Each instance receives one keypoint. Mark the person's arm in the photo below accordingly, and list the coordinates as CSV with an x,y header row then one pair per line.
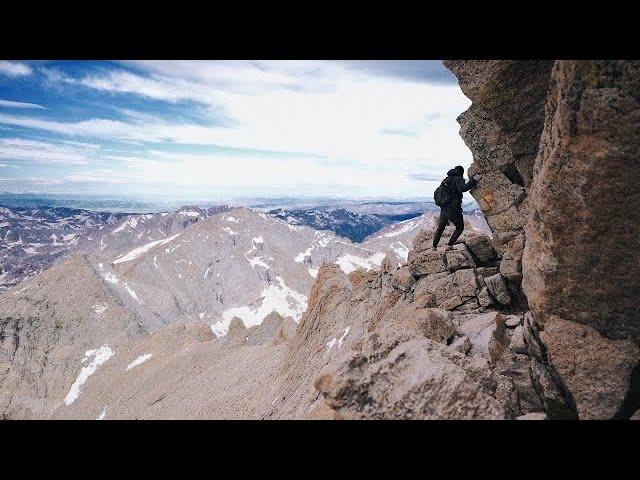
x,y
461,186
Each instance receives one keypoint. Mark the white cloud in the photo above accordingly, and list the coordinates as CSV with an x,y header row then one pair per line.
x,y
33,181
345,129
14,69
348,123
11,104
43,152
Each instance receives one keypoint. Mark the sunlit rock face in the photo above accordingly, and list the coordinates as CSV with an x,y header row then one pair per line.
x,y
557,145
502,129
580,263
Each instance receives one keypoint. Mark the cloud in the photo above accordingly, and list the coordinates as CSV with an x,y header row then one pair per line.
x,y
28,181
303,126
43,152
11,104
207,81
398,131
352,122
426,177
14,69
427,71
241,76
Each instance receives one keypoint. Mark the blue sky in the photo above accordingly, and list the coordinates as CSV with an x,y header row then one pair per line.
x,y
225,129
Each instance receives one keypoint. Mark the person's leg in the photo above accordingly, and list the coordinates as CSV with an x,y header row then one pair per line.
x,y
458,222
443,221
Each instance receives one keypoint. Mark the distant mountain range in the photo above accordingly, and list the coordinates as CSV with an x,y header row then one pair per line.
x,y
134,290
353,225
34,236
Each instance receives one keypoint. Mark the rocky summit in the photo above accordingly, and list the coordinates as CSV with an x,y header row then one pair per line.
x,y
241,314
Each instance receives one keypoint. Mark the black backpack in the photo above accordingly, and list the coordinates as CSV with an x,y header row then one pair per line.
x,y
443,194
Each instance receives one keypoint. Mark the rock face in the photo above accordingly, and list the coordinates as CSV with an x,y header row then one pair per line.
x,y
40,349
557,144
502,129
379,345
453,279
596,371
578,264
415,379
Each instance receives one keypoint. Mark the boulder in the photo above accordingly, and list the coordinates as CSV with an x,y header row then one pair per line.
x,y
595,370
517,344
479,328
416,379
444,290
512,321
484,272
554,399
425,262
467,283
484,299
516,369
389,263
507,395
457,259
469,305
432,323
461,344
481,247
498,289
403,280
511,262
499,341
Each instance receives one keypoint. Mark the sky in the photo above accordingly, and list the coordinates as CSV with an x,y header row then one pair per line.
x,y
229,129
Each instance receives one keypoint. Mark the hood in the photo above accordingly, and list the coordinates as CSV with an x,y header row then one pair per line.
x,y
453,173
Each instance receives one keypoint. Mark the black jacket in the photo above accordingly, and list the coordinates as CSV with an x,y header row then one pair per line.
x,y
458,186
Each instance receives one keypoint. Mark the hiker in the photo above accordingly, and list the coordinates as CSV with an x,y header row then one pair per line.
x,y
448,197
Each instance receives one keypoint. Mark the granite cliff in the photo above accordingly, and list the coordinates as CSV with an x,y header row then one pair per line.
x,y
557,142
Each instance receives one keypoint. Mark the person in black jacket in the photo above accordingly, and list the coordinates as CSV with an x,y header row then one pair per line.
x,y
453,212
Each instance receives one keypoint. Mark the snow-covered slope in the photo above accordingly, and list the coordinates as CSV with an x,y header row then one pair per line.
x,y
33,239
240,263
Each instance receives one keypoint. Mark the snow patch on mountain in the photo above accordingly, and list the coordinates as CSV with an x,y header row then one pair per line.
x,y
100,356
131,222
404,227
345,332
102,413
189,213
321,240
139,361
108,276
349,263
280,298
401,250
136,252
131,292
